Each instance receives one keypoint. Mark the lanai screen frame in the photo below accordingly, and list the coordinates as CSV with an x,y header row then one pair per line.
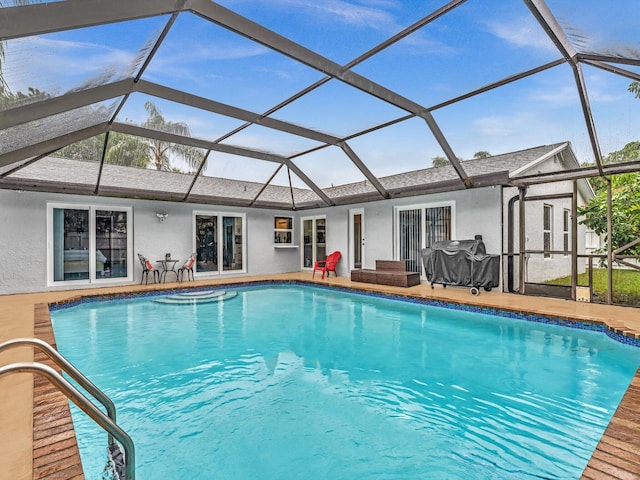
x,y
36,19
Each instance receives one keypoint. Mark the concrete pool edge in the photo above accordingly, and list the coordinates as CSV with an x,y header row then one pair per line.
x,y
616,456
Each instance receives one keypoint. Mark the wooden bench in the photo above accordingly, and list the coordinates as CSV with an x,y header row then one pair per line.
x,y
387,272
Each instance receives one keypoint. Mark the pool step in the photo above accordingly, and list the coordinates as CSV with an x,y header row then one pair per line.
x,y
190,299
116,462
196,295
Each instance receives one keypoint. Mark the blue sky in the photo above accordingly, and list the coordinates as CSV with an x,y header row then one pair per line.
x,y
478,43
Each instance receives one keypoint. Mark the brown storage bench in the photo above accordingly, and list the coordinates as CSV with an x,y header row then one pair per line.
x,y
387,272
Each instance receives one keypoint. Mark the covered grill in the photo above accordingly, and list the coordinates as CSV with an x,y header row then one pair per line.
x,y
462,263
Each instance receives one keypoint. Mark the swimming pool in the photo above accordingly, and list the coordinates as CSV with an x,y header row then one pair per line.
x,y
306,382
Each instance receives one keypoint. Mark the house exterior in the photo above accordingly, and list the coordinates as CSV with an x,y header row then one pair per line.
x,y
57,240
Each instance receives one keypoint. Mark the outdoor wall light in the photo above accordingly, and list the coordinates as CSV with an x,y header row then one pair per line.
x,y
162,216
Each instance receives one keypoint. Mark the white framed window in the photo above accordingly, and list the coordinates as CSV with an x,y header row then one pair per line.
x,y
219,242
420,226
547,230
566,226
88,244
283,230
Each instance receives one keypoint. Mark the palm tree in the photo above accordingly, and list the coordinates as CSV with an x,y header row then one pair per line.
x,y
127,150
4,86
161,151
131,151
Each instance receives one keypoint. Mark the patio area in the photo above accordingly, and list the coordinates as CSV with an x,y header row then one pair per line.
x,y
617,456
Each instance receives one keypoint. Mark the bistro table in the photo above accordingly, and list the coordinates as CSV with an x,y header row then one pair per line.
x,y
168,265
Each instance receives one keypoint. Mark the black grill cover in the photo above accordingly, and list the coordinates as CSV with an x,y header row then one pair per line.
x,y
461,262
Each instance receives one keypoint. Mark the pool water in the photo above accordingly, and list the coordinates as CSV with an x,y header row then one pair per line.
x,y
295,382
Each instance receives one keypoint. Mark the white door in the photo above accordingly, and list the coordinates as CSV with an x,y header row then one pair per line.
x,y
356,238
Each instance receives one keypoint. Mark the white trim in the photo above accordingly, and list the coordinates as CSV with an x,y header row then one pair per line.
x,y
219,216
539,160
352,213
314,219
423,207
91,209
546,206
284,230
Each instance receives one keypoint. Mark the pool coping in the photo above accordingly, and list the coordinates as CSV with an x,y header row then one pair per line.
x,y
55,450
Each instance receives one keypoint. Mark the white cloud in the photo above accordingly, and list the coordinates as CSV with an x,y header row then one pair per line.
x,y
558,96
522,32
504,125
349,13
599,88
497,126
176,55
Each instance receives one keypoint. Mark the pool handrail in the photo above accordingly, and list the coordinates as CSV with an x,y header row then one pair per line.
x,y
69,369
77,397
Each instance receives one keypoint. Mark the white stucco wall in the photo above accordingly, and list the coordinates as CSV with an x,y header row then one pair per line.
x,y
477,212
23,236
23,231
538,268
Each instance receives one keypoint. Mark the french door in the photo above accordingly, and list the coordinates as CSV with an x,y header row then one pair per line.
x,y
88,244
420,226
356,238
314,237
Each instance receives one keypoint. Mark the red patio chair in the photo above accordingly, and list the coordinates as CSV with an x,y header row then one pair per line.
x,y
327,265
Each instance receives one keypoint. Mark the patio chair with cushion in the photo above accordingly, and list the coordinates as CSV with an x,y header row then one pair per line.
x,y
147,267
327,265
187,267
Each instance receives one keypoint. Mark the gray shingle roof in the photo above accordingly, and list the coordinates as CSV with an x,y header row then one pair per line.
x,y
75,176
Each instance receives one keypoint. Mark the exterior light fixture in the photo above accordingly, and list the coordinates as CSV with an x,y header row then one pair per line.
x,y
162,216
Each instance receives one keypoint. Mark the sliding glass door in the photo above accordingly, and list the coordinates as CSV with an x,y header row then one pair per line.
x,y
219,240
88,244
420,226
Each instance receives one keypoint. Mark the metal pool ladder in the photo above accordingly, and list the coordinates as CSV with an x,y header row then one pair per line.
x,y
124,468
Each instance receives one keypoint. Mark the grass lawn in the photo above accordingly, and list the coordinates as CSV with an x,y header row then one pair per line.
x,y
626,285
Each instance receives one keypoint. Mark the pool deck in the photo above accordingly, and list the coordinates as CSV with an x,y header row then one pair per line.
x,y
38,440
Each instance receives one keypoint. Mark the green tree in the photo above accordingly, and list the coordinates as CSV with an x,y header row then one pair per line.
x,y
629,153
89,149
625,202
625,198
440,161
481,154
161,151
132,151
10,99
5,91
625,212
127,150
